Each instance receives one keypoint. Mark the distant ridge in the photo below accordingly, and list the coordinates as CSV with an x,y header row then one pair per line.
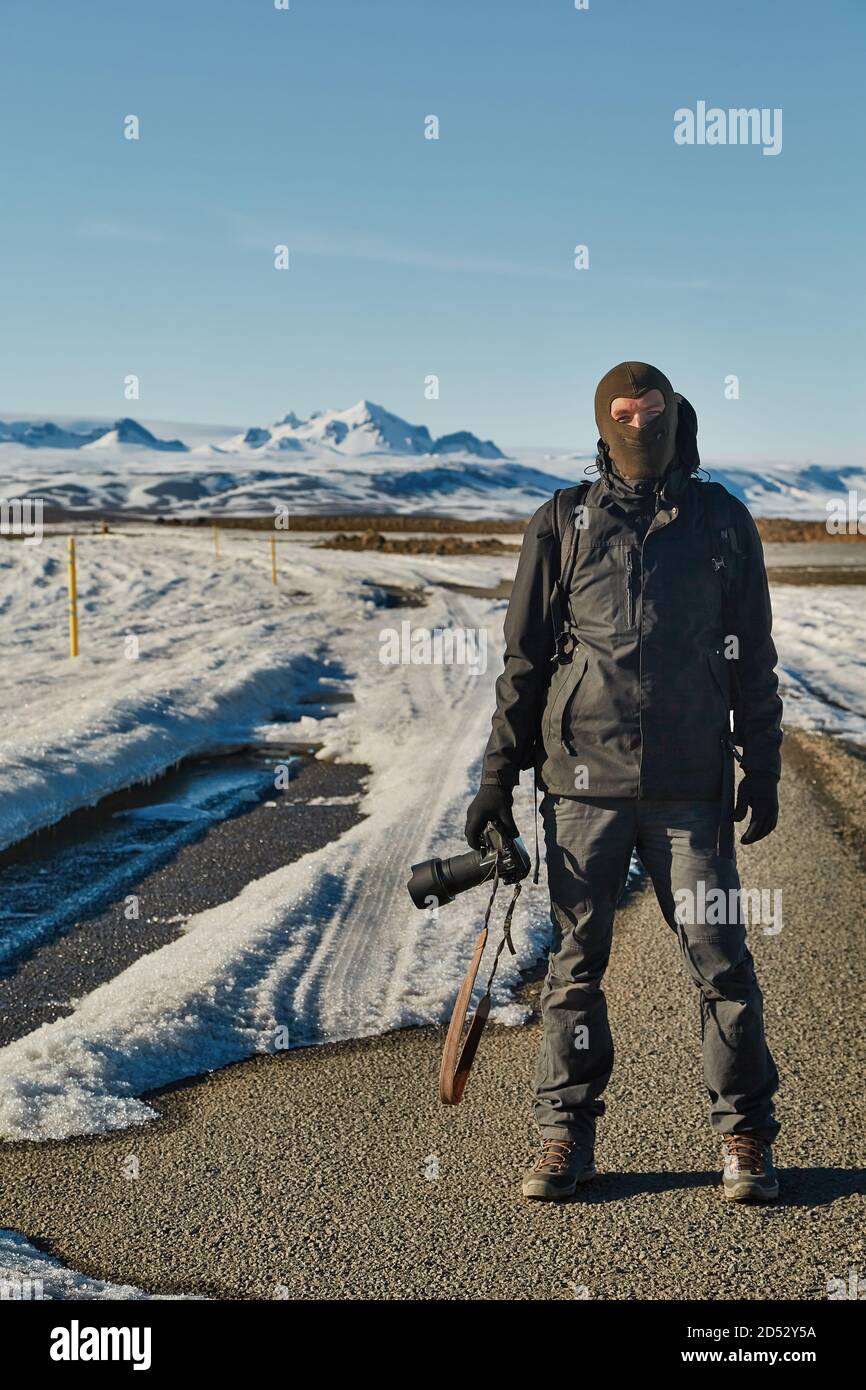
x,y
364,428
46,435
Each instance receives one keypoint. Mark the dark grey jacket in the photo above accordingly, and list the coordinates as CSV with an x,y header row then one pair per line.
x,y
641,706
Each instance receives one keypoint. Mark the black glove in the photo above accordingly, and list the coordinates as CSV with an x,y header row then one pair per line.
x,y
493,803
758,792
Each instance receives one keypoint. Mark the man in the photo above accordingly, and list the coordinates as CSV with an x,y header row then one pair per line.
x,y
639,619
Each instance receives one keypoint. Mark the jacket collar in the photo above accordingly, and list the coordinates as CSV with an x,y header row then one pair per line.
x,y
646,492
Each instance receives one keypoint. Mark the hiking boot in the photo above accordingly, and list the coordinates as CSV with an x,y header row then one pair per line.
x,y
561,1165
749,1175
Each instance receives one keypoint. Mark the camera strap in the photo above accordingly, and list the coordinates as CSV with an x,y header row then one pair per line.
x,y
537,868
457,1055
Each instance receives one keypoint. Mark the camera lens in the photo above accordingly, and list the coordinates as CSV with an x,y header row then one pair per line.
x,y
443,879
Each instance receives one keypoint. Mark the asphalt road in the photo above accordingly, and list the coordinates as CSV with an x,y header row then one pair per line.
x,y
334,1173
210,870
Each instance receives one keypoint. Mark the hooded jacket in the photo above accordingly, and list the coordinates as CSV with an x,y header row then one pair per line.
x,y
641,706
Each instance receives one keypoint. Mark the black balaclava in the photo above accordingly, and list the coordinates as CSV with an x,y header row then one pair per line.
x,y
637,454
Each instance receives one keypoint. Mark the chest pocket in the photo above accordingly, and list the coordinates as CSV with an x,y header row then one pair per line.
x,y
608,585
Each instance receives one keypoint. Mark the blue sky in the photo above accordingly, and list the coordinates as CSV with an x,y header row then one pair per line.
x,y
411,257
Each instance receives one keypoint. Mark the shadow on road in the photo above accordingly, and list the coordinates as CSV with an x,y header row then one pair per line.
x,y
800,1187
818,1187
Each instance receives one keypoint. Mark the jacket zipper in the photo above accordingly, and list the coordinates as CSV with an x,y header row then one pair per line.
x,y
674,513
629,590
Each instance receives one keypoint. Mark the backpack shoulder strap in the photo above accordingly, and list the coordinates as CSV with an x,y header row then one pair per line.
x,y
724,546
566,502
557,508
570,534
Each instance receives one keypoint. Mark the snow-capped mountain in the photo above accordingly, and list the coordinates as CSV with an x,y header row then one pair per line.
x,y
365,428
131,432
465,443
46,434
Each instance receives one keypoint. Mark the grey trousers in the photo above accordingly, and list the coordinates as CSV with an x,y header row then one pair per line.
x,y
589,845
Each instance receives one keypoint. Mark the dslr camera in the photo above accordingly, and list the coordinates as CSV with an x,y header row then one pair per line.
x,y
443,879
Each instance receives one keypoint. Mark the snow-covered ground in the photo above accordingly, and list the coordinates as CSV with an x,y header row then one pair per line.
x,y
361,459
220,651
329,947
820,633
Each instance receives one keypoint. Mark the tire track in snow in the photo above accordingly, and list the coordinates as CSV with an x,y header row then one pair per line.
x,y
374,922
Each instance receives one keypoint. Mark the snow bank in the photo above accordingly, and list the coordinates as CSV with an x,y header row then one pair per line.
x,y
27,1273
209,665
820,632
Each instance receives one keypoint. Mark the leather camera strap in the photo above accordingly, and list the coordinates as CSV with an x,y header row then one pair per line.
x,y
457,1058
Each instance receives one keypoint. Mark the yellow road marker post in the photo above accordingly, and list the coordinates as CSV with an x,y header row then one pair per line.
x,y
73,600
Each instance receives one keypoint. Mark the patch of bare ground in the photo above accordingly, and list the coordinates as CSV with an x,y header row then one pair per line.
x,y
817,574
495,591
772,528
415,545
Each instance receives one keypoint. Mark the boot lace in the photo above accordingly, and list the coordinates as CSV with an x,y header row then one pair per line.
x,y
747,1150
554,1155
